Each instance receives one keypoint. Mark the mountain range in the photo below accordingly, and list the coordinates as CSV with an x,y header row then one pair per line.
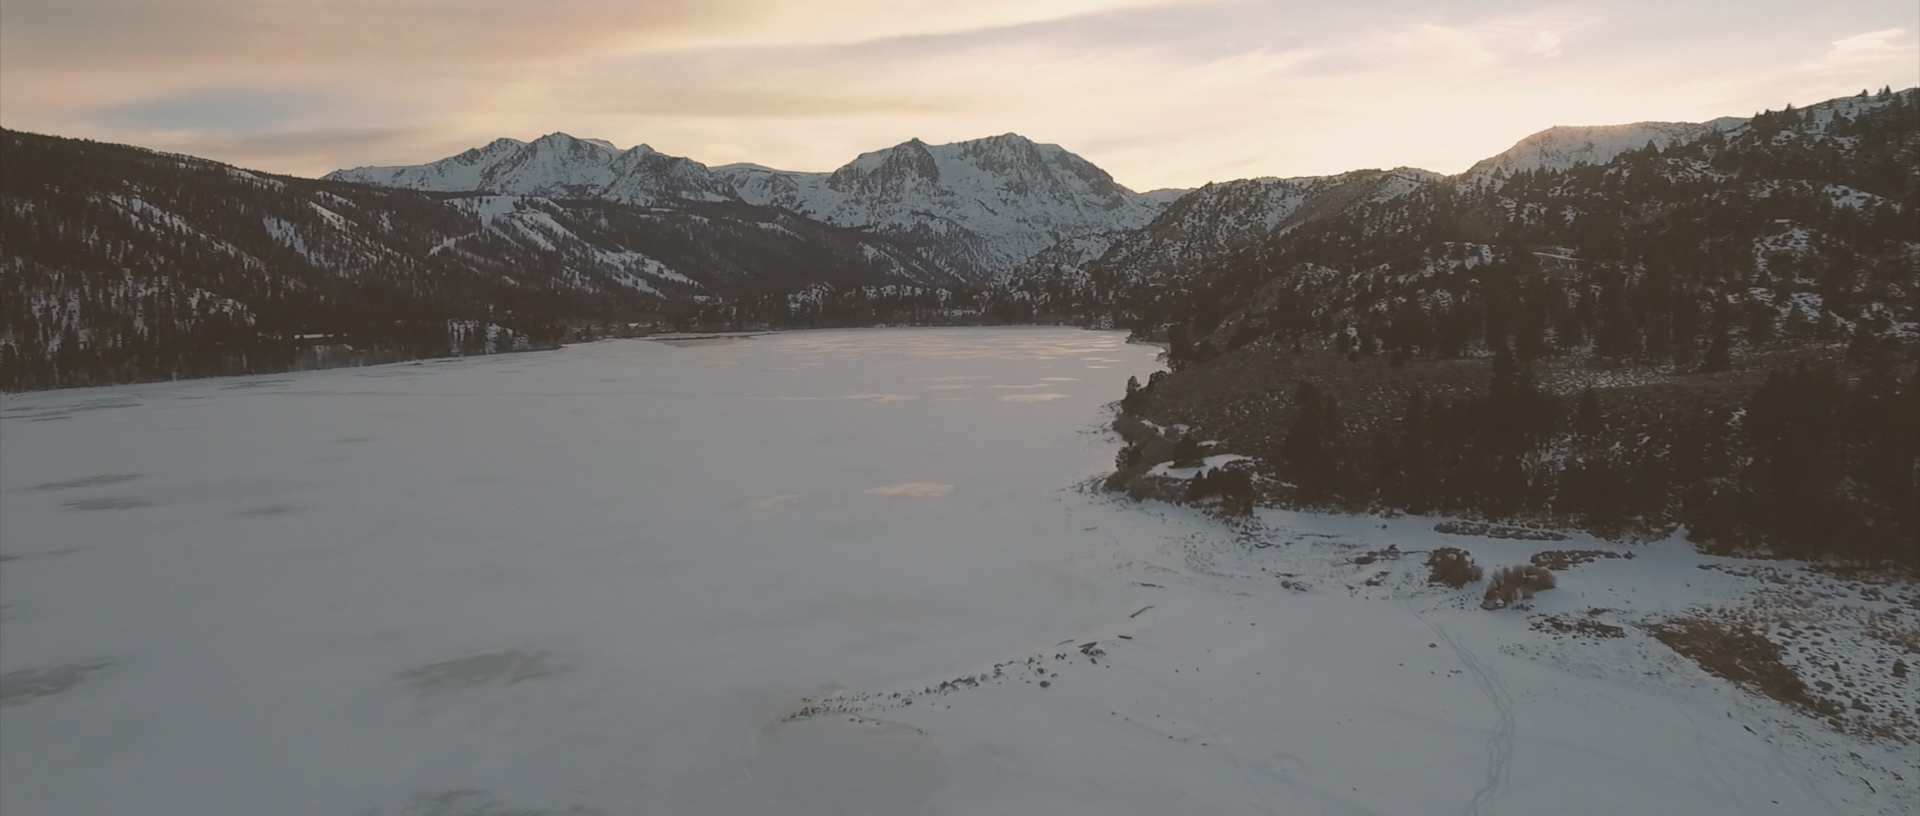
x,y
970,208
122,264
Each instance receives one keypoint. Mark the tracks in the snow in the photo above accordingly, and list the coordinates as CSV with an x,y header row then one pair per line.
x,y
1500,741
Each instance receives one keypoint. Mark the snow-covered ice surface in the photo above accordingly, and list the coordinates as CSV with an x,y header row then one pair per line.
x,y
801,573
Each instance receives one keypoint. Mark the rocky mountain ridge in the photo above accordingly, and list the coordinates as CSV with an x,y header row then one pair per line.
x,y
972,208
556,166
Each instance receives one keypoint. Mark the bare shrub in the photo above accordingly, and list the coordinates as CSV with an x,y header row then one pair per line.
x,y
1515,583
1232,486
1451,566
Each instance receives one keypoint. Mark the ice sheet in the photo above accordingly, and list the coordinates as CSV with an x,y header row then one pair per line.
x,y
627,577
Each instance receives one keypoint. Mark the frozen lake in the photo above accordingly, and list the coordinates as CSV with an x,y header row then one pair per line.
x,y
732,578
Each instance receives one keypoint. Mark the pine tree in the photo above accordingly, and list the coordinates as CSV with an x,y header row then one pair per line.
x,y
1587,418
1718,356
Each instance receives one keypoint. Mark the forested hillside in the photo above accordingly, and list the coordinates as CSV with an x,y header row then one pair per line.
x,y
1719,334
120,264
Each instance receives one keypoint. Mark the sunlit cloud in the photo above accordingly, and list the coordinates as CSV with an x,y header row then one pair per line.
x,y
1873,44
913,490
767,503
1158,92
1545,44
1873,48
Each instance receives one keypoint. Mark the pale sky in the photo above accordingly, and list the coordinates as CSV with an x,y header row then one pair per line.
x,y
1161,93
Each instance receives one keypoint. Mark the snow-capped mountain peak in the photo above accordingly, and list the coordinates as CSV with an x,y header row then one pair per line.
x,y
557,165
974,207
889,171
979,206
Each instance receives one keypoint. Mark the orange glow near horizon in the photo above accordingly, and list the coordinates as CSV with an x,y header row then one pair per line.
x,y
1169,93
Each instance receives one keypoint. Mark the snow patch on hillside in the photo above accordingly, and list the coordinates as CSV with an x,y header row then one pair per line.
x,y
1565,147
977,207
994,203
556,165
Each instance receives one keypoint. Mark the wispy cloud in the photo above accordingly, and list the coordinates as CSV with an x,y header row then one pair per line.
x,y
1160,93
1888,47
214,109
913,490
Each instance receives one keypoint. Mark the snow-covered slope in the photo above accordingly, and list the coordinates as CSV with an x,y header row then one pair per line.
x,y
980,206
1213,221
560,166
972,208
1562,148
1565,147
1821,116
1221,214
1201,228
1165,196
